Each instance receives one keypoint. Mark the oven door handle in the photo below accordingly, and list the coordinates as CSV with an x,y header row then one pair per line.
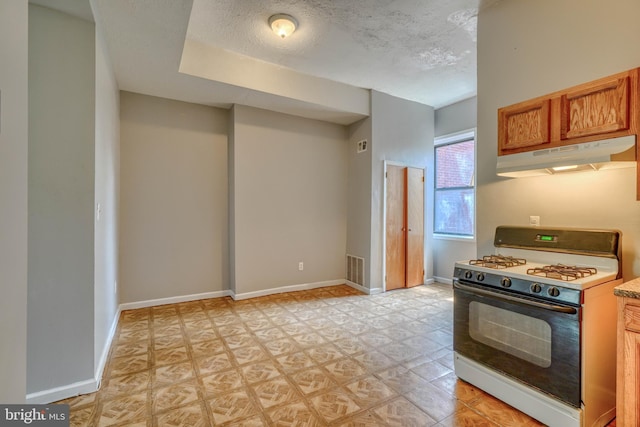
x,y
522,301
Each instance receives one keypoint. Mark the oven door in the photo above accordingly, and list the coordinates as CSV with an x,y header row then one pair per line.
x,y
531,340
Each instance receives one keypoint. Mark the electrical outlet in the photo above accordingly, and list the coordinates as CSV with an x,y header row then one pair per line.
x,y
534,220
300,266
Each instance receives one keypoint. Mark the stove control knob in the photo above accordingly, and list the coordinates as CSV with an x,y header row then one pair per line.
x,y
505,282
468,274
480,277
553,291
536,288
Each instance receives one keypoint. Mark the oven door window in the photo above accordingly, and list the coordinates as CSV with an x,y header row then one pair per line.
x,y
522,336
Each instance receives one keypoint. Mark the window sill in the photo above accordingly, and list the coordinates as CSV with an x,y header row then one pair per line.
x,y
469,239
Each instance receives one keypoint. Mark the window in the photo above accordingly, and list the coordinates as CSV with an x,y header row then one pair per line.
x,y
455,198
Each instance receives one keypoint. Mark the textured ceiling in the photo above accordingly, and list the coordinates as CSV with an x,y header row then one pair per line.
x,y
421,50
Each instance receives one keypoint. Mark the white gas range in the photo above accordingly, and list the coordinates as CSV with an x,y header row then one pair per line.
x,y
534,323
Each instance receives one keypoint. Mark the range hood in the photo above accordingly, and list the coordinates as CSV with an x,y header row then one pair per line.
x,y
595,155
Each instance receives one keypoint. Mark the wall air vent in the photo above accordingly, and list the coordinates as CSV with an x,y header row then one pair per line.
x,y
362,146
355,269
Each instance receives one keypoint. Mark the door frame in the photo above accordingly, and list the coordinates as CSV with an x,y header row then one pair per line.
x,y
384,215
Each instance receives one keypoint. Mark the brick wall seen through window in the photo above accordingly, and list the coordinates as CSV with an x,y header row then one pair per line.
x,y
455,193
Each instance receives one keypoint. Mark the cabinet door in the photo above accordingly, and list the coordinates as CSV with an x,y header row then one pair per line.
x,y
404,259
395,228
415,226
596,108
629,415
523,125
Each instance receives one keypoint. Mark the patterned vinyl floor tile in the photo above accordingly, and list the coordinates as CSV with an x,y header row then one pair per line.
x,y
260,371
274,392
174,396
221,382
402,413
313,380
128,408
295,414
171,356
325,353
192,415
232,407
281,346
170,374
344,370
370,391
335,404
125,384
81,416
323,357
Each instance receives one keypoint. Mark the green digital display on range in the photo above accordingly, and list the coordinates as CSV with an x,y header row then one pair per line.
x,y
544,238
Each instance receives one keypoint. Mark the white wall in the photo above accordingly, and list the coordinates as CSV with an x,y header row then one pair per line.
x,y
13,199
290,198
454,118
402,131
359,195
527,49
173,198
60,326
107,167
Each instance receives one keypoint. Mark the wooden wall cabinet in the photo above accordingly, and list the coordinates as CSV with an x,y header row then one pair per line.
x,y
604,108
628,366
595,108
524,126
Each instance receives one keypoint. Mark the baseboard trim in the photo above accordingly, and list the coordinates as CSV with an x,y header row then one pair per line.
x,y
444,280
173,300
290,288
364,289
105,352
80,387
63,392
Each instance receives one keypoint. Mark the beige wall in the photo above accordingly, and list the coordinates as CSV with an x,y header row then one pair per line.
x,y
531,48
13,200
290,190
402,132
359,195
107,158
60,310
173,199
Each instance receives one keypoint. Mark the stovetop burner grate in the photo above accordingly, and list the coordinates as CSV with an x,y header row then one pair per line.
x,y
498,261
563,272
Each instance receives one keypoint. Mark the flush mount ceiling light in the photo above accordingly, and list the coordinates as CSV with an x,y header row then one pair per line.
x,y
282,24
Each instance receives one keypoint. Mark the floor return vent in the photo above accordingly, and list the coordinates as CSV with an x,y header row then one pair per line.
x,y
355,269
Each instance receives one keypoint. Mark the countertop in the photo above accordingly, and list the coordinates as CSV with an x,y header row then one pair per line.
x,y
630,289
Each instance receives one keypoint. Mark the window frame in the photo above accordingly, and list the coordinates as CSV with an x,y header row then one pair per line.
x,y
451,139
